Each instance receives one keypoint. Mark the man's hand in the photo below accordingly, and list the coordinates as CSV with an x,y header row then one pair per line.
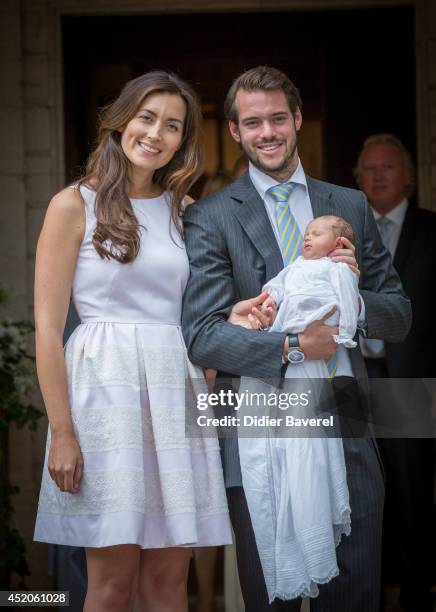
x,y
316,341
256,313
346,254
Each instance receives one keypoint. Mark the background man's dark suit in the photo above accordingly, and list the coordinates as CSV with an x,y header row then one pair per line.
x,y
415,262
385,172
233,252
410,549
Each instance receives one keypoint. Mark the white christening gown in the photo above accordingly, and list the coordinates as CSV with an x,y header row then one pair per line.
x,y
144,482
296,487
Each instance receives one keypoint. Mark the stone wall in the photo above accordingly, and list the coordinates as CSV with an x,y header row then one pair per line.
x,y
426,101
13,243
31,170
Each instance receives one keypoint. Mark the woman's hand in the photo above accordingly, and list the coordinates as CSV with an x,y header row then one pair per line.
x,y
65,462
256,313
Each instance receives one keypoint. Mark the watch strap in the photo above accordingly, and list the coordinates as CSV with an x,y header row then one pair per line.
x,y
293,341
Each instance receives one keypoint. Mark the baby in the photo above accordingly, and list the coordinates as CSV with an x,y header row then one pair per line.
x,y
306,290
300,522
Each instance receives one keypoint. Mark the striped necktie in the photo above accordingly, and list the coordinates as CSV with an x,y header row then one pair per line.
x,y
291,240
289,233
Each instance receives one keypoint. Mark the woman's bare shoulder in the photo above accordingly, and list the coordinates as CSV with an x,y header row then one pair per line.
x,y
68,201
66,215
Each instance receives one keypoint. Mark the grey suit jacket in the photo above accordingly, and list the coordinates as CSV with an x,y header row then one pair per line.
x,y
233,252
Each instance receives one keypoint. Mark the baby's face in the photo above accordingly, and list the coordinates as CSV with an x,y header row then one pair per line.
x,y
319,239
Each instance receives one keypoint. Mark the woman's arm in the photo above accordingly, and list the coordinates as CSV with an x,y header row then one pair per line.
x,y
56,257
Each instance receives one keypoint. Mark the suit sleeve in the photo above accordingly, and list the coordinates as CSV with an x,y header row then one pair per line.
x,y
209,297
387,308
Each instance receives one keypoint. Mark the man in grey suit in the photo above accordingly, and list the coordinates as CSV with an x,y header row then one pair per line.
x,y
235,246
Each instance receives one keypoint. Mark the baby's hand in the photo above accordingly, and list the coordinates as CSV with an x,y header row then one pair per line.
x,y
264,316
269,303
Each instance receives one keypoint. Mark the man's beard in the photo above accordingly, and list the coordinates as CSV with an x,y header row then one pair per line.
x,y
282,165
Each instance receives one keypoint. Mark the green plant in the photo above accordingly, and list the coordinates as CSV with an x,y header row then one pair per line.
x,y
17,381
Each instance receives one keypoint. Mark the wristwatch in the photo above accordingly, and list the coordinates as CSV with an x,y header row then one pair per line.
x,y
295,354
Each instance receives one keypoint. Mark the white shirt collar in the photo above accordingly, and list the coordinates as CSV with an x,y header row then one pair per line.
x,y
263,182
397,214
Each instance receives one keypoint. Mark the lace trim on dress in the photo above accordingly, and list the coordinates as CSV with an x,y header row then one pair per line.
x,y
97,365
116,426
166,366
128,489
108,428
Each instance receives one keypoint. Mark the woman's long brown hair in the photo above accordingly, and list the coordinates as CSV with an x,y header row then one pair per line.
x,y
117,233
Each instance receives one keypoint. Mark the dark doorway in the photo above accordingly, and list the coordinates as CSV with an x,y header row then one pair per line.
x,y
354,68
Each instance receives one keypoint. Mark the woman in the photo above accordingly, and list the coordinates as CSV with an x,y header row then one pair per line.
x,y
120,476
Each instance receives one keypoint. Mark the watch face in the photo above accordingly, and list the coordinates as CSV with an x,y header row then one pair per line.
x,y
295,356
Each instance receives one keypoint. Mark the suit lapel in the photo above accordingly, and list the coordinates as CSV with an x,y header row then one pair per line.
x,y
321,198
324,203
251,214
406,238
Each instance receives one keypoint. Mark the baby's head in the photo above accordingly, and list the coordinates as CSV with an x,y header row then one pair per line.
x,y
323,235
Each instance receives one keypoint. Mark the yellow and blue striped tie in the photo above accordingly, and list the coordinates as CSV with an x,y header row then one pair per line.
x,y
289,232
291,240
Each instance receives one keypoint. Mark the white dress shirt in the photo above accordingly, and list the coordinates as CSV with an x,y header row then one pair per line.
x,y
301,208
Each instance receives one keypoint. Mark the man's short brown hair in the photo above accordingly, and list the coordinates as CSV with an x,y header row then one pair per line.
x,y
261,78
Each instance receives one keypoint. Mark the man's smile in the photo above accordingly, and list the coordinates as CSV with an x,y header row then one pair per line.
x,y
269,147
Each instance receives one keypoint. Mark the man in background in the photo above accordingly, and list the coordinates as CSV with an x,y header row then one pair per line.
x,y
385,173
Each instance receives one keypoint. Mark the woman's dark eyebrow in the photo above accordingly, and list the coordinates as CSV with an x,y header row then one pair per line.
x,y
150,112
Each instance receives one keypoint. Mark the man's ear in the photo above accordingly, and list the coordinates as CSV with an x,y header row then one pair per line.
x,y
298,119
234,131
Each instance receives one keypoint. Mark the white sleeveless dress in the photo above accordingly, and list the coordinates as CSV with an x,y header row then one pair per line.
x,y
144,481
